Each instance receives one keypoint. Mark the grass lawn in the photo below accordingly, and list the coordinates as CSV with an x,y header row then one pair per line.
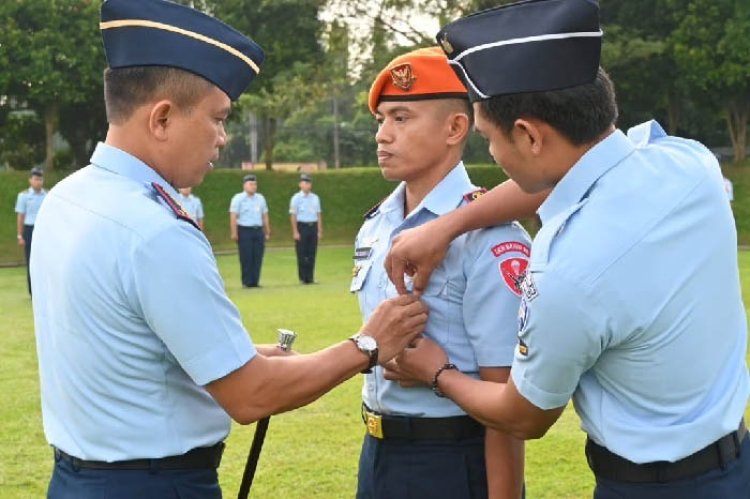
x,y
311,452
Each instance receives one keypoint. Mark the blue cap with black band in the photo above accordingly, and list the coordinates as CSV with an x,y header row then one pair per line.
x,y
529,46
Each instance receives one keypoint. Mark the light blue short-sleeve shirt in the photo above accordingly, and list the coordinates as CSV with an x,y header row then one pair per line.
x,y
249,209
473,296
131,318
632,303
305,207
28,203
192,205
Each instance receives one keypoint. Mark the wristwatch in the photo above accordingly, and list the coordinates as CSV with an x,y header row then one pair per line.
x,y
367,345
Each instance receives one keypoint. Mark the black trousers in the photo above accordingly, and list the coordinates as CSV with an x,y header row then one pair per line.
x,y
415,469
28,231
306,248
252,244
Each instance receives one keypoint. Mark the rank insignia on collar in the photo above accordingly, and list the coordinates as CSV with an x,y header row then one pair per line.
x,y
173,205
403,77
373,211
474,195
446,45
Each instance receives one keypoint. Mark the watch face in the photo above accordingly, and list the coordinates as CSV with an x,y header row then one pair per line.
x,y
366,343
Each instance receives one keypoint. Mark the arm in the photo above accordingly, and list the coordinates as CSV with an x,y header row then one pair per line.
x,y
268,385
266,226
503,454
418,251
295,232
233,226
320,225
19,228
495,405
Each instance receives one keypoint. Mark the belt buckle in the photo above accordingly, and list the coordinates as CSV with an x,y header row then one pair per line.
x,y
374,424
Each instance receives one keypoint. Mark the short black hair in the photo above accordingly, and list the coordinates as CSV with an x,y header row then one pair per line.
x,y
126,89
581,114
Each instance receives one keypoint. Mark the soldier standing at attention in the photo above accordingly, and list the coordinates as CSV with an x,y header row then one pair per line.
x,y
27,206
250,227
307,228
418,443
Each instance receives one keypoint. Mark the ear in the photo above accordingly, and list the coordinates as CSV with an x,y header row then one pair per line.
x,y
458,128
160,118
529,135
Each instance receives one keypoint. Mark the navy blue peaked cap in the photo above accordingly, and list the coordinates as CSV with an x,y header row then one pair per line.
x,y
529,46
162,33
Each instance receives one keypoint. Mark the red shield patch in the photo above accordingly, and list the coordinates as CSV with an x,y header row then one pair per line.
x,y
512,270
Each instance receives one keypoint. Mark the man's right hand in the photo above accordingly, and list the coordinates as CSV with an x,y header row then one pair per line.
x,y
395,323
296,236
416,252
234,237
21,241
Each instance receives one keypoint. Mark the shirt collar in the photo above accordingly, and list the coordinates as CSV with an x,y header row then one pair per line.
x,y
443,198
117,161
583,175
32,191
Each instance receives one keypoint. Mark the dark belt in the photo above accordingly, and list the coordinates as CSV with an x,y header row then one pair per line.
x,y
386,427
606,464
307,224
254,227
195,459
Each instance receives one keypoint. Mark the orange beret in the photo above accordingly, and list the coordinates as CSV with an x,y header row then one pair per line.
x,y
418,75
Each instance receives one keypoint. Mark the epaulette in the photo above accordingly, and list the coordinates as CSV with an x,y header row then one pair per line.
x,y
474,195
372,211
178,210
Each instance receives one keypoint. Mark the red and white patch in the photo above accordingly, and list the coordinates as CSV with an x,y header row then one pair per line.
x,y
513,270
511,246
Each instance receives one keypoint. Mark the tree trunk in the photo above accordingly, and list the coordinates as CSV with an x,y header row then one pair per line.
x,y
336,146
270,139
736,116
673,114
51,116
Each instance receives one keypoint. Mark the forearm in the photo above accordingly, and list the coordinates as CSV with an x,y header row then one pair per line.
x,y
320,222
504,456
266,225
293,220
19,223
487,402
233,223
269,385
504,203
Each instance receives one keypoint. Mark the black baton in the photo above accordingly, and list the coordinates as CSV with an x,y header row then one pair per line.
x,y
286,338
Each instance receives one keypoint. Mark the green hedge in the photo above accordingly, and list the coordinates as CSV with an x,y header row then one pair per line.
x,y
345,194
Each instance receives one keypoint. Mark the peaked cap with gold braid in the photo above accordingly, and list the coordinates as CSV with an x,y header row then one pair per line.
x,y
162,33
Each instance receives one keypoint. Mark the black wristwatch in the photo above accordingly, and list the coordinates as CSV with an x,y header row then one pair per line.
x,y
367,345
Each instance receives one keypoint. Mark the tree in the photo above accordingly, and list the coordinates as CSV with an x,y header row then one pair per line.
x,y
289,32
712,49
54,57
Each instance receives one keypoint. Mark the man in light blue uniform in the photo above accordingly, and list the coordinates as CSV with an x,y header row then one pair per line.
x,y
473,297
143,358
632,303
191,204
306,218
250,227
27,206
